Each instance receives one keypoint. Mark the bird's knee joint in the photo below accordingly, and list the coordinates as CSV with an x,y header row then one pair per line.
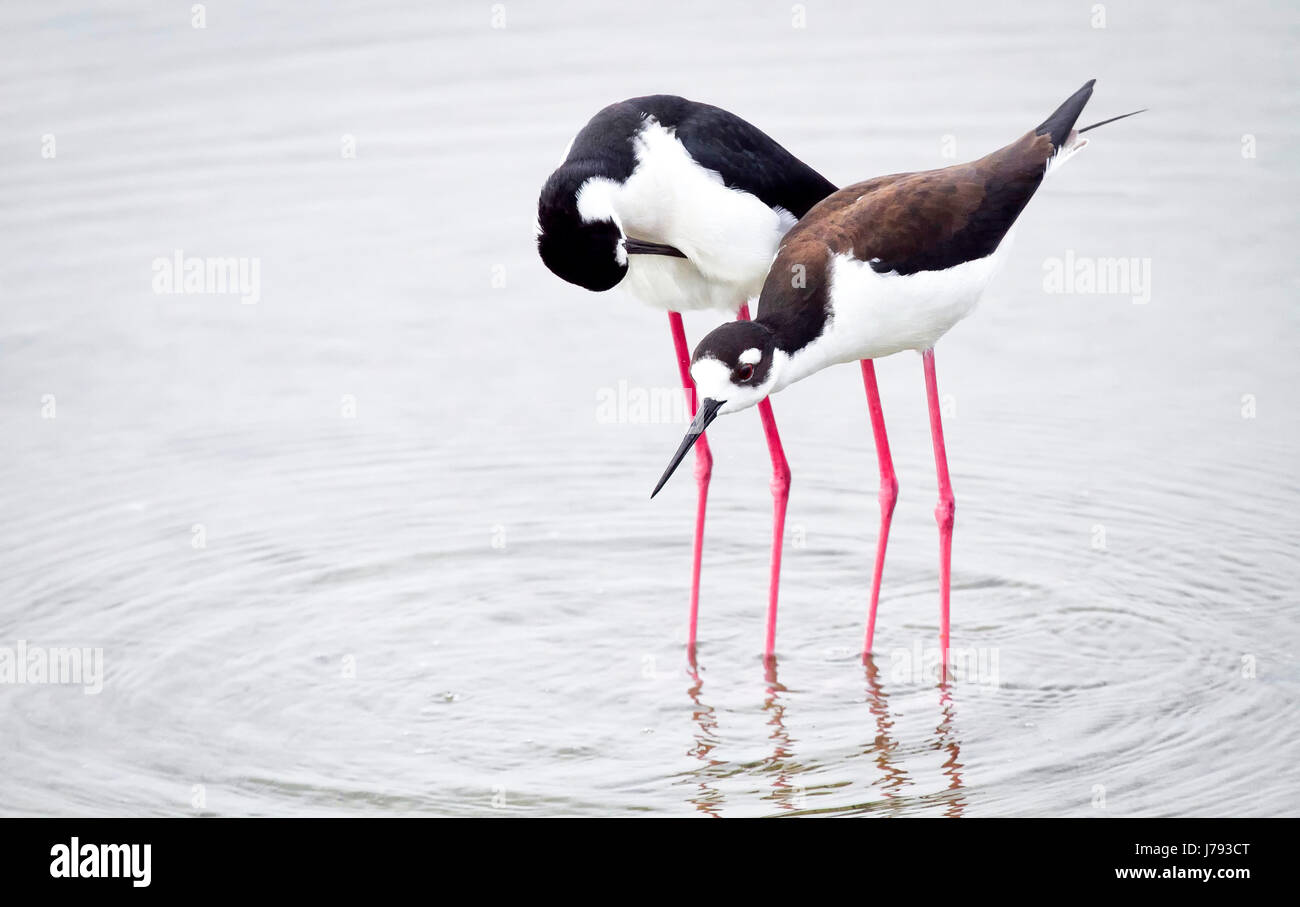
x,y
945,511
703,470
781,483
888,494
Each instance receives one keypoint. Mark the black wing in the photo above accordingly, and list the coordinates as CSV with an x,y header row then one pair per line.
x,y
744,156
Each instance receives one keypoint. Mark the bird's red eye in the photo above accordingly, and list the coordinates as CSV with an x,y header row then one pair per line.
x,y
746,372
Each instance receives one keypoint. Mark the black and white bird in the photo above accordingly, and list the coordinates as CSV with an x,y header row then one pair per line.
x,y
684,205
879,267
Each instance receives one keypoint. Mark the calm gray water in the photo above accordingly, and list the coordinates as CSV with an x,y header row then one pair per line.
x,y
376,542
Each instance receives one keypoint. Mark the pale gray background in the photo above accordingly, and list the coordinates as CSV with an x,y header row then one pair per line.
x,y
549,672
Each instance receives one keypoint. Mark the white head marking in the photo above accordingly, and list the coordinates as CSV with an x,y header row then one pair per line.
x,y
712,379
713,382
751,356
595,200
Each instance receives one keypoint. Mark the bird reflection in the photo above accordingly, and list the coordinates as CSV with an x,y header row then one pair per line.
x,y
894,793
887,754
788,796
884,749
708,799
947,742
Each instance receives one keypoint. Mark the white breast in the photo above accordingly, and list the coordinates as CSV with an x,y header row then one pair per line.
x,y
677,285
729,237
874,315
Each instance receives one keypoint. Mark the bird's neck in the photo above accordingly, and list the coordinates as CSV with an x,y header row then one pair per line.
x,y
795,335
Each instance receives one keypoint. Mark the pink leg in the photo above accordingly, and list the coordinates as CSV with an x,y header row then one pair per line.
x,y
943,512
703,470
780,496
888,494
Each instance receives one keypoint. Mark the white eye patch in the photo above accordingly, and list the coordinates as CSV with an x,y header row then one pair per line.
x,y
751,357
712,379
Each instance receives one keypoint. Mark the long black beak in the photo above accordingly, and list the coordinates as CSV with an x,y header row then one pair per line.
x,y
708,411
641,247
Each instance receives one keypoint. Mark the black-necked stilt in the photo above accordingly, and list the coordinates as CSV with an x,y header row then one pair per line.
x,y
879,267
684,204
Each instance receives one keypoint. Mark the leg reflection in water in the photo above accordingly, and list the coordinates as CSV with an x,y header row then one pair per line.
x,y
884,749
788,794
889,756
947,742
708,799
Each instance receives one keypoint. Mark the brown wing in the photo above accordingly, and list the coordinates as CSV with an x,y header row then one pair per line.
x,y
940,218
907,222
910,222
935,219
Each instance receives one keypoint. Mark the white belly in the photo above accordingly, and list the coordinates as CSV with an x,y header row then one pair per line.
x,y
729,237
875,315
677,285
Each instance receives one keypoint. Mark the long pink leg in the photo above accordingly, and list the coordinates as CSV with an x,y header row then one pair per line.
x,y
947,506
888,494
780,495
703,470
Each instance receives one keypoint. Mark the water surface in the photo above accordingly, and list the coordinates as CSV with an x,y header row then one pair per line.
x,y
371,544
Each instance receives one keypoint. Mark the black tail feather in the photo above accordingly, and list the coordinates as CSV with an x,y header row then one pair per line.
x,y
1113,119
1062,120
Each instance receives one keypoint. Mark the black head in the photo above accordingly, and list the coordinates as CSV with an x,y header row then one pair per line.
x,y
733,364
734,367
587,253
